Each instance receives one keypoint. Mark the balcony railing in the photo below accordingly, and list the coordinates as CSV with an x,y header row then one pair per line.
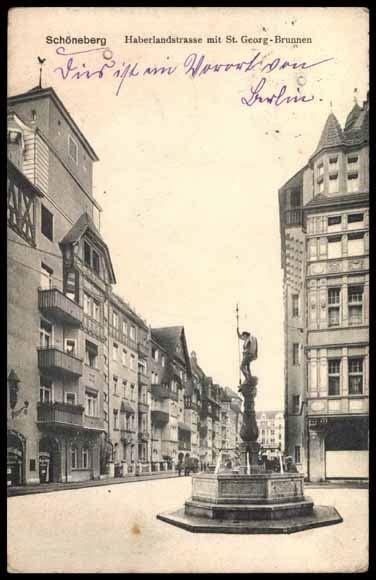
x,y
58,361
143,379
160,392
93,327
143,407
143,436
184,445
160,417
54,303
127,435
143,350
294,217
60,414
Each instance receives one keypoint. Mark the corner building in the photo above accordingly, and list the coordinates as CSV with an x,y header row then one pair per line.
x,y
324,223
59,276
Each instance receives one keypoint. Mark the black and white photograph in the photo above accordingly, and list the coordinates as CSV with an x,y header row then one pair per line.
x,y
188,290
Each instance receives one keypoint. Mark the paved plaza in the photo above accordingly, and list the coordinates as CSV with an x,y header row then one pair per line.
x,y
114,529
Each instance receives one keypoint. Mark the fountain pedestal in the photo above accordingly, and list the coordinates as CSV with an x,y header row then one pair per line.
x,y
251,501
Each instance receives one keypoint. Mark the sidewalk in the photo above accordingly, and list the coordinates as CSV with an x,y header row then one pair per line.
x,y
49,487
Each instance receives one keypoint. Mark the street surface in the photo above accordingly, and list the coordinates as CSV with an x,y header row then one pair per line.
x,y
114,529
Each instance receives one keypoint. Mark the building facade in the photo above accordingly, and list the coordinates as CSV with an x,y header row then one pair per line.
x,y
324,217
92,390
271,427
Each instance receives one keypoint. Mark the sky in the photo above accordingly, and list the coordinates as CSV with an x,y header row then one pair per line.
x,y
188,175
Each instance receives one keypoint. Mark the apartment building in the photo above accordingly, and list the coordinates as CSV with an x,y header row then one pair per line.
x,y
324,221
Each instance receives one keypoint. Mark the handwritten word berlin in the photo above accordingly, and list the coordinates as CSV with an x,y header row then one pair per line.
x,y
194,66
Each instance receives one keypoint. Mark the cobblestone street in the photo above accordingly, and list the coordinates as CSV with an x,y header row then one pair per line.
x,y
114,529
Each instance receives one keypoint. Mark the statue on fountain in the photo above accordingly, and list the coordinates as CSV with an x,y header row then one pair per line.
x,y
249,431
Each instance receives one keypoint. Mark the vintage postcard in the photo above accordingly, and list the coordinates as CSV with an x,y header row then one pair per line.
x,y
188,290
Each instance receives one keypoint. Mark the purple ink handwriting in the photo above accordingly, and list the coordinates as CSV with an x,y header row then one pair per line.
x,y
75,67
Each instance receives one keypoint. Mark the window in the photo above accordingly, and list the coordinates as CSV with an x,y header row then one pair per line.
x,y
70,346
133,360
163,361
72,149
295,198
334,220
355,218
333,306
355,376
154,353
295,305
132,393
355,303
45,277
132,332
333,183
333,163
295,354
334,366
115,319
91,354
334,247
96,310
105,414
47,223
116,424
320,169
70,398
295,404
124,357
95,261
353,182
320,185
297,454
125,389
352,162
104,393
91,404
115,384
74,463
125,327
45,334
91,258
355,244
45,390
85,458
114,351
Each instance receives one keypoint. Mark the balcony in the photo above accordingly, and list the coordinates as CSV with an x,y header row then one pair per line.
x,y
143,350
60,415
143,407
294,217
160,392
143,436
184,445
127,436
93,423
160,417
184,427
52,360
55,304
93,327
118,335
143,379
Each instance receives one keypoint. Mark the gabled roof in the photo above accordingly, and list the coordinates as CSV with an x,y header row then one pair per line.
x,y
331,135
169,337
76,232
39,93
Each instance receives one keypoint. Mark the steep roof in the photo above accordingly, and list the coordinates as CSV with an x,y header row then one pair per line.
x,y
76,232
331,135
39,93
171,337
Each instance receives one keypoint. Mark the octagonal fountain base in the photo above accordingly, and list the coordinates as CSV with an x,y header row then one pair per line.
x,y
261,503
